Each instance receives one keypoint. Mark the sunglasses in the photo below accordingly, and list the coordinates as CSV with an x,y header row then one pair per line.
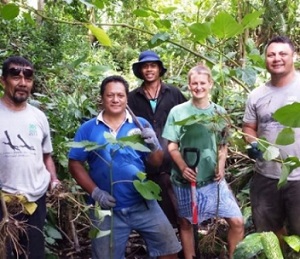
x,y
27,72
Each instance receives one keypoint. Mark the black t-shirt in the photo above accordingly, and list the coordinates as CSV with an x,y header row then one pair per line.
x,y
168,97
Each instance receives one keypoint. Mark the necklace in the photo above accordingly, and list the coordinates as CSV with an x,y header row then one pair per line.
x,y
153,100
155,95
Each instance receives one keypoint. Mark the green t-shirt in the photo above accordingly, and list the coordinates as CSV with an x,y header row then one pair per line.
x,y
192,127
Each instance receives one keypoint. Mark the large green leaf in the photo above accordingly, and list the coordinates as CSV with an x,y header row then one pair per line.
x,y
163,24
225,26
293,242
288,115
249,247
271,245
286,137
247,75
100,34
200,30
252,20
10,11
141,13
285,171
159,38
271,153
147,188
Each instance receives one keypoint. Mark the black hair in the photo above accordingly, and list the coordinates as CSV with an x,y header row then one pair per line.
x,y
281,39
17,60
113,78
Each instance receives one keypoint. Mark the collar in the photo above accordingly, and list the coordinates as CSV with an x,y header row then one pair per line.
x,y
100,117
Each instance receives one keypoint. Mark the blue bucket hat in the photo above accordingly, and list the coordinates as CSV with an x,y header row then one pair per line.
x,y
147,56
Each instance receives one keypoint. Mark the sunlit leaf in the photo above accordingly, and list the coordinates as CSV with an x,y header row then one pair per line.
x,y
288,115
168,10
141,13
293,241
10,11
100,34
285,171
148,189
271,153
271,245
162,24
249,247
252,20
285,137
225,26
200,30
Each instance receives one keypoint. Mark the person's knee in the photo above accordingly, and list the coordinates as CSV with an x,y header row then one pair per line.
x,y
237,224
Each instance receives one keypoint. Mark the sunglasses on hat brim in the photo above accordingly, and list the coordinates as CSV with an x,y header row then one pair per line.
x,y
27,72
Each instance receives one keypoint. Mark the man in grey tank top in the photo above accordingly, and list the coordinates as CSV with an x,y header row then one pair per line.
x,y
272,207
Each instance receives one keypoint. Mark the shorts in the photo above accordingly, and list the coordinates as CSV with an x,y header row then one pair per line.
x,y
146,218
272,207
207,201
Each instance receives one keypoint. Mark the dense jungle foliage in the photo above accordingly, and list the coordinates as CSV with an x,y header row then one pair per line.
x,y
74,44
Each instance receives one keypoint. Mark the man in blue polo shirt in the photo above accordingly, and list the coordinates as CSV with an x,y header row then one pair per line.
x,y
112,170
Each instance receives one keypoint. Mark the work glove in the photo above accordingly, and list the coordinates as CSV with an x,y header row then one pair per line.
x,y
150,138
105,200
253,151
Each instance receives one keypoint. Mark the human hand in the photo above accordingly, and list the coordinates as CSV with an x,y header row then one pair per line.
x,y
219,175
55,183
105,200
150,138
253,151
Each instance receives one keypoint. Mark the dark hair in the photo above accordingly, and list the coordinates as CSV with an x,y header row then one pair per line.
x,y
281,39
114,78
17,60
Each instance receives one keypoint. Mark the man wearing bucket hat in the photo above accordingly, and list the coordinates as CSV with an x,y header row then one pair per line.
x,y
153,100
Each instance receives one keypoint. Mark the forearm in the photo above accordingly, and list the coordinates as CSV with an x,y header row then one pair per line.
x,y
176,156
250,132
50,166
81,176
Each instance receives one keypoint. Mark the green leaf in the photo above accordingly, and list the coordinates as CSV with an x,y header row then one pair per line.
x,y
98,3
96,233
285,137
141,176
271,153
252,20
164,23
10,11
141,13
285,171
293,241
225,26
288,115
271,245
100,34
247,75
148,189
249,247
200,30
168,10
158,39
87,145
53,232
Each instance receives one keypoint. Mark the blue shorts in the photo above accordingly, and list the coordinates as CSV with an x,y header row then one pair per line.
x,y
207,200
148,220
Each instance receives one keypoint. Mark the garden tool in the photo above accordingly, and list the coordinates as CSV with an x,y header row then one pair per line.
x,y
191,156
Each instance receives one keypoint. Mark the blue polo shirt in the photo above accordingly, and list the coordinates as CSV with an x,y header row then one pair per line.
x,y
112,162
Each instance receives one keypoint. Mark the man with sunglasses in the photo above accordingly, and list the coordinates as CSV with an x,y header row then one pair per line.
x,y
26,165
